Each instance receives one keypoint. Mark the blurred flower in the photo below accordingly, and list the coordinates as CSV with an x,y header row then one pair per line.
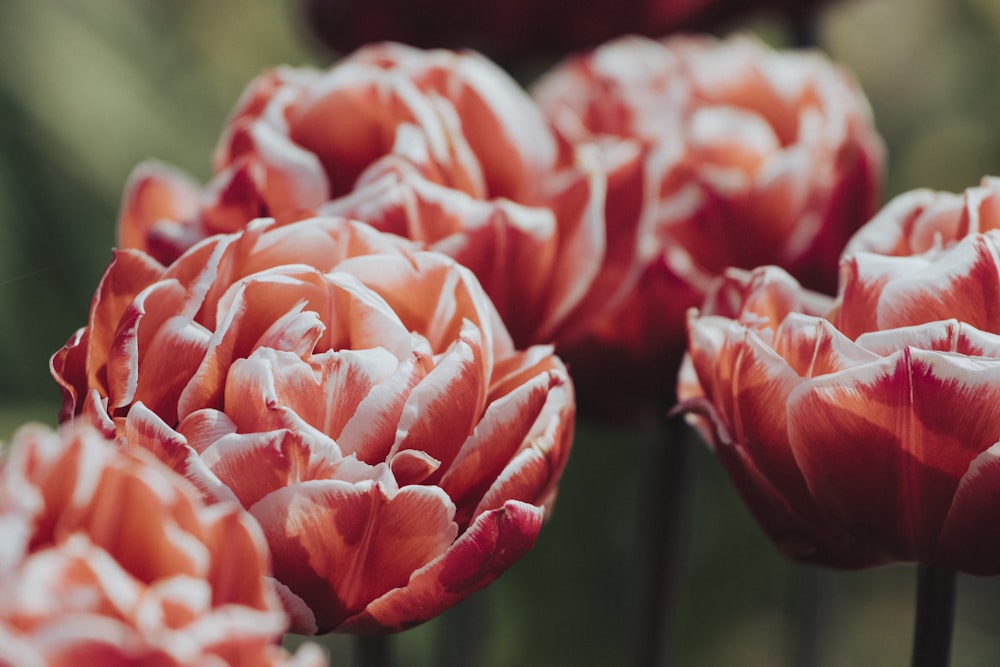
x,y
359,397
438,146
110,558
521,29
751,157
869,434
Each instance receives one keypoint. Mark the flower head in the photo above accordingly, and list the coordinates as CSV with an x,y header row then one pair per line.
x,y
442,147
358,396
108,557
750,157
863,430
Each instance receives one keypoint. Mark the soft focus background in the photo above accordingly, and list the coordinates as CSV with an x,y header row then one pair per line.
x,y
88,88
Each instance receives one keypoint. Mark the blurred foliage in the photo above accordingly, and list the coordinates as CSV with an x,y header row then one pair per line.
x,y
88,88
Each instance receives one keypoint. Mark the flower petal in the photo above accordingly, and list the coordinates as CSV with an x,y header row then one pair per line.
x,y
964,543
338,545
495,541
883,446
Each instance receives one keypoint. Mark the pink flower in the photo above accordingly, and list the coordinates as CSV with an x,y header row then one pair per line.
x,y
439,146
751,157
110,558
865,431
359,397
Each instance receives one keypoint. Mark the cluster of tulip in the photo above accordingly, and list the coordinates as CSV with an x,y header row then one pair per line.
x,y
321,391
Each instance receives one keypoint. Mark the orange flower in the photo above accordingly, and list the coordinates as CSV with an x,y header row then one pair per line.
x,y
438,146
751,157
359,397
864,430
109,558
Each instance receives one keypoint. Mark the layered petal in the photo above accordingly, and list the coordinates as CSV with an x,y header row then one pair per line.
x,y
124,565
748,157
340,545
440,146
359,397
495,541
880,442
880,447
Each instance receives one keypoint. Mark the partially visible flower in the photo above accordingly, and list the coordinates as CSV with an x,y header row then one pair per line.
x,y
869,434
109,558
439,146
922,221
751,157
359,397
519,30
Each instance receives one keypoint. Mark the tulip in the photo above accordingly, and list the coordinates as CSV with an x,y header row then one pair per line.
x,y
750,157
359,397
110,558
438,146
861,431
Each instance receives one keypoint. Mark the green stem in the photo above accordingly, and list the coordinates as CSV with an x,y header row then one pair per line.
x,y
665,522
372,651
935,616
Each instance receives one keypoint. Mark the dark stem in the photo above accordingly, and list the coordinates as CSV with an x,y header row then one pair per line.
x,y
935,616
668,483
372,651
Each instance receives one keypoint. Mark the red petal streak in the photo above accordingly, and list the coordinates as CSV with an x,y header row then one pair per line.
x,y
962,283
256,464
444,408
495,541
812,347
155,194
136,332
360,318
498,436
267,309
622,215
68,367
339,546
144,429
293,178
180,346
410,466
129,273
884,446
430,294
204,427
578,201
800,531
523,480
240,556
327,391
371,430
513,251
942,336
748,385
